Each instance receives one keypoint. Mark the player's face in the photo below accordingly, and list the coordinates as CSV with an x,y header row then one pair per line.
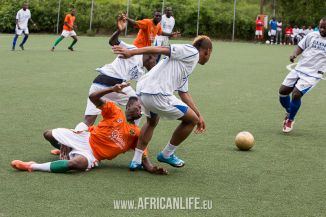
x,y
73,12
168,12
204,56
25,6
157,17
133,111
322,28
149,61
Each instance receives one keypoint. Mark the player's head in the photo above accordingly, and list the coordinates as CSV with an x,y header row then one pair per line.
x,y
204,45
168,12
157,16
133,109
149,61
322,27
73,12
25,6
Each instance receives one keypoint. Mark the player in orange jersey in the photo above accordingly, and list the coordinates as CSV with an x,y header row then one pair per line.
x,y
149,29
68,30
115,134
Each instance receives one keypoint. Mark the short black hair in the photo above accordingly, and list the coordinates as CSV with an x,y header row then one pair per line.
x,y
132,100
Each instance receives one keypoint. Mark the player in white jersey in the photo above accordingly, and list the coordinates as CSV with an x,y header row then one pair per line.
x,y
156,92
22,17
117,72
308,72
167,24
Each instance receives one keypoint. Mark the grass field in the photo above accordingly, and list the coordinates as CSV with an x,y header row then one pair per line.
x,y
284,175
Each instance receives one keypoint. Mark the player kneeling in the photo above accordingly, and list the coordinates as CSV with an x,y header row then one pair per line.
x,y
115,134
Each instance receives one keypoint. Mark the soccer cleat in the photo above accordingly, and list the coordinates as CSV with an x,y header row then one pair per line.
x,y
52,49
133,166
12,49
288,126
70,48
285,118
55,152
24,166
172,160
21,46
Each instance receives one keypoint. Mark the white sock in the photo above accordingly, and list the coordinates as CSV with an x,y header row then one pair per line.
x,y
169,150
81,127
41,167
138,155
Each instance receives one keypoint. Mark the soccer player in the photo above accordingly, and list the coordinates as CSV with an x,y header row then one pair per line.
x,y
148,30
68,30
114,135
120,70
273,28
22,17
259,29
167,24
308,72
155,90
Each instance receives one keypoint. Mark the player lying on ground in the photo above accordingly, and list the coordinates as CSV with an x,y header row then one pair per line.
x,y
114,135
68,30
156,88
308,72
149,29
120,70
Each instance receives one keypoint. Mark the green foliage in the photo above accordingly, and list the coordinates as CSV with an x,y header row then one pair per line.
x,y
216,16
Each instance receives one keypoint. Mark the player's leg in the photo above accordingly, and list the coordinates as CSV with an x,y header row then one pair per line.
x,y
14,42
26,34
49,137
57,41
73,42
286,88
79,162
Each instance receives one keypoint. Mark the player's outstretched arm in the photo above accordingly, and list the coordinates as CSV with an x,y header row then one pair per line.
x,y
133,22
96,96
149,167
121,25
172,34
125,53
296,53
186,98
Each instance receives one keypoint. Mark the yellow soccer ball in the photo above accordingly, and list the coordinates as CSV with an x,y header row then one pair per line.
x,y
244,141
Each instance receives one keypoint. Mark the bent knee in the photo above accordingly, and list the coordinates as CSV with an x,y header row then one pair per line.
x,y
79,163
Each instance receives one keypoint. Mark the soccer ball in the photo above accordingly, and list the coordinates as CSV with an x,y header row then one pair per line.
x,y
244,141
267,42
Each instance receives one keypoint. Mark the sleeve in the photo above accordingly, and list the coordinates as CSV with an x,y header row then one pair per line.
x,y
108,109
67,18
305,42
142,24
17,15
183,52
184,86
30,15
125,45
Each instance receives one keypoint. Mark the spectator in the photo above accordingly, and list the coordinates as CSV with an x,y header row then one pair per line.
x,y
288,35
279,32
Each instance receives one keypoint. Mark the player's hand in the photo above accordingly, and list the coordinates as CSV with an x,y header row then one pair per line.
x,y
121,23
158,170
176,34
123,52
118,87
201,126
64,152
292,58
18,27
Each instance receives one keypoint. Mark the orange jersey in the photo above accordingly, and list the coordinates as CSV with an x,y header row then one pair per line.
x,y
113,135
147,32
70,20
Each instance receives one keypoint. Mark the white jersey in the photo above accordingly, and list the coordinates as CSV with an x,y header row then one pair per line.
x,y
313,58
295,31
125,69
23,17
171,73
167,24
279,26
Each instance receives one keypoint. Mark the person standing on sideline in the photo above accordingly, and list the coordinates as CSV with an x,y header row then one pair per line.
x,y
259,29
279,32
22,17
68,30
273,28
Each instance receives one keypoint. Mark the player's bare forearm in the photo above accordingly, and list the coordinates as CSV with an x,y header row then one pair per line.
x,y
114,39
186,98
296,53
149,167
133,22
125,53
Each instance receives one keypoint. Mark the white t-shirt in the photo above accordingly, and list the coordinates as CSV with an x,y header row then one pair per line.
x,y
167,24
125,69
279,26
171,73
295,31
23,17
313,57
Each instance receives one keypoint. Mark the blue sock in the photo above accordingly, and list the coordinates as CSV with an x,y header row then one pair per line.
x,y
285,102
294,108
24,40
14,41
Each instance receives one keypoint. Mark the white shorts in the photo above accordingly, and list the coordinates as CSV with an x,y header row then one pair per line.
x,y
161,41
118,98
78,142
66,33
259,32
303,82
273,32
169,107
21,31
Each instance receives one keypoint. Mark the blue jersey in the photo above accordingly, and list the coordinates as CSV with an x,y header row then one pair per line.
x,y
273,24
